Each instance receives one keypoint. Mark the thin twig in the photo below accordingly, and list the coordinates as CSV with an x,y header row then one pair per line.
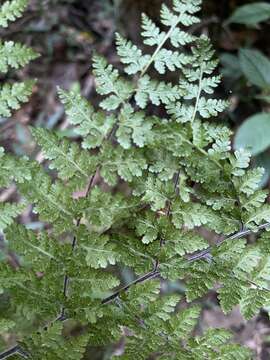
x,y
176,182
148,276
168,211
62,316
206,252
12,351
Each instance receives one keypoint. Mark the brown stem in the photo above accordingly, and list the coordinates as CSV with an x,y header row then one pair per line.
x,y
62,316
148,276
12,351
206,252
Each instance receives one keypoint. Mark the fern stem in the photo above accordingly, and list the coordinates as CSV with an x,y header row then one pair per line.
x,y
12,351
148,276
194,116
73,245
160,46
155,273
198,95
203,254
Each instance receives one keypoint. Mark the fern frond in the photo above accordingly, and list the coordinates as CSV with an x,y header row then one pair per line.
x,y
52,201
67,158
131,55
133,127
100,254
15,55
11,96
55,345
151,32
10,10
155,92
8,213
249,183
13,169
167,177
109,83
127,164
93,127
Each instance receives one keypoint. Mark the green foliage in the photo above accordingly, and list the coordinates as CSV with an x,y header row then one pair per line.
x,y
67,158
8,213
10,10
94,127
14,55
11,96
251,14
110,83
50,344
165,179
253,134
256,67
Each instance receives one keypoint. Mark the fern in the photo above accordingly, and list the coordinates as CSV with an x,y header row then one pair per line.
x,y
11,10
11,96
14,55
177,174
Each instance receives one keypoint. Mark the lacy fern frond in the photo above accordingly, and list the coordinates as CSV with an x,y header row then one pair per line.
x,y
14,55
11,96
166,178
11,10
93,127
8,213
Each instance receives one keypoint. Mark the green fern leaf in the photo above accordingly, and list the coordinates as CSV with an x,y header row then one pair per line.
x,y
133,126
15,55
131,55
253,301
13,169
155,92
127,164
66,157
249,183
184,323
151,32
171,60
51,344
8,213
10,10
52,201
100,254
11,96
94,127
109,83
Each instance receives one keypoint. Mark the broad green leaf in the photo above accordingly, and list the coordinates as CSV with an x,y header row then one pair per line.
x,y
256,67
263,160
251,14
254,134
230,66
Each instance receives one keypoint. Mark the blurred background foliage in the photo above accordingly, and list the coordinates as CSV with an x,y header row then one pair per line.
x,y
67,32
